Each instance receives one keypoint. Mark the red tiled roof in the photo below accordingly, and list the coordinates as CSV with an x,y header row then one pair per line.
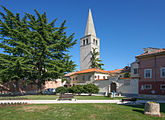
x,y
69,74
90,70
116,71
152,53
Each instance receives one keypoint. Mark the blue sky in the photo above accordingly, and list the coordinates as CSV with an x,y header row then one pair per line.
x,y
124,27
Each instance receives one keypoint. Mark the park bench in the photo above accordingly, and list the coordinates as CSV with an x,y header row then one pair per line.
x,y
66,97
129,99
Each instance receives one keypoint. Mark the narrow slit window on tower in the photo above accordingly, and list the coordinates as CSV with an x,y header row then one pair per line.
x,y
93,41
96,42
83,42
87,41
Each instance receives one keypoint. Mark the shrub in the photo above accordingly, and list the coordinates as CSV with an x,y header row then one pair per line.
x,y
91,88
61,90
77,89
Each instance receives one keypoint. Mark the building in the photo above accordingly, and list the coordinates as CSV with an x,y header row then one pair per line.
x,y
87,43
135,69
91,75
88,76
151,69
25,88
107,81
122,82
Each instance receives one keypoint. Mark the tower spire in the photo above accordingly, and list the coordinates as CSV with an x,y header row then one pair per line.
x,y
90,29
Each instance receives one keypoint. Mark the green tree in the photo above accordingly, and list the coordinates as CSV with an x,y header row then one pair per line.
x,y
65,79
91,88
61,90
96,62
38,49
127,75
13,69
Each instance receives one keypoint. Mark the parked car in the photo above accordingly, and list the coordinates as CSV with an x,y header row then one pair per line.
x,y
49,91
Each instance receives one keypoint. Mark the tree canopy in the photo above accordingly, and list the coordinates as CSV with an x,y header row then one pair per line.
x,y
33,48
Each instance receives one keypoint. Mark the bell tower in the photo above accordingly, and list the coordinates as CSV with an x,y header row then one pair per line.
x,y
87,43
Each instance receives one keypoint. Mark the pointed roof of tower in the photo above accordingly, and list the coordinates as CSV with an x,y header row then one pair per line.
x,y
90,29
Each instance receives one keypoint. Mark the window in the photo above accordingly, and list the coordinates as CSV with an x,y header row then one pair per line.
x,y
96,42
83,42
73,78
93,41
83,78
162,86
135,70
148,73
104,77
76,78
147,86
89,77
162,72
86,41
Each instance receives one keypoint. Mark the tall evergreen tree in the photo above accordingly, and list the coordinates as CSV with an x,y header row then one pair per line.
x,y
40,48
96,62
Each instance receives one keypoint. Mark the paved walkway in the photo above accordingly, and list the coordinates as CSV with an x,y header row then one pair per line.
x,y
56,101
73,101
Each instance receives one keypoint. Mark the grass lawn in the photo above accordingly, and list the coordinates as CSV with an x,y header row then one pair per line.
x,y
54,97
76,112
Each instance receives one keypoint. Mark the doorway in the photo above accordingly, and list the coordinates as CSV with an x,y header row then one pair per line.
x,y
113,87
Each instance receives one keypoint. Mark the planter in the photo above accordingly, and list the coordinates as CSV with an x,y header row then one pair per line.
x,y
152,108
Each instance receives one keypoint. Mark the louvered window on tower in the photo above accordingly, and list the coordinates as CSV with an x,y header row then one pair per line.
x,y
83,42
87,41
96,42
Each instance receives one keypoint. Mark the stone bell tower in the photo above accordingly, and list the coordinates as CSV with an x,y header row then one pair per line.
x,y
87,43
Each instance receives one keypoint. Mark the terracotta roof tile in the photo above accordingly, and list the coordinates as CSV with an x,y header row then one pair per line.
x,y
116,71
90,70
152,53
69,74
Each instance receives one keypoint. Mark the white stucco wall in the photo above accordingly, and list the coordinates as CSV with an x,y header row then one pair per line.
x,y
128,86
103,85
82,78
133,66
100,76
85,51
88,78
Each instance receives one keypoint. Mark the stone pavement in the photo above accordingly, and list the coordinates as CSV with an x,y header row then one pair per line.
x,y
73,101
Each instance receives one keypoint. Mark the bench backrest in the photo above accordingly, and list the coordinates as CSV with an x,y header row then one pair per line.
x,y
66,96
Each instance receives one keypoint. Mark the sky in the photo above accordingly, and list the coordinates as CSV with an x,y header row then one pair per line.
x,y
124,27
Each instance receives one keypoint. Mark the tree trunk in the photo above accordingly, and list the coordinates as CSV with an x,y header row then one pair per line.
x,y
39,88
18,90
